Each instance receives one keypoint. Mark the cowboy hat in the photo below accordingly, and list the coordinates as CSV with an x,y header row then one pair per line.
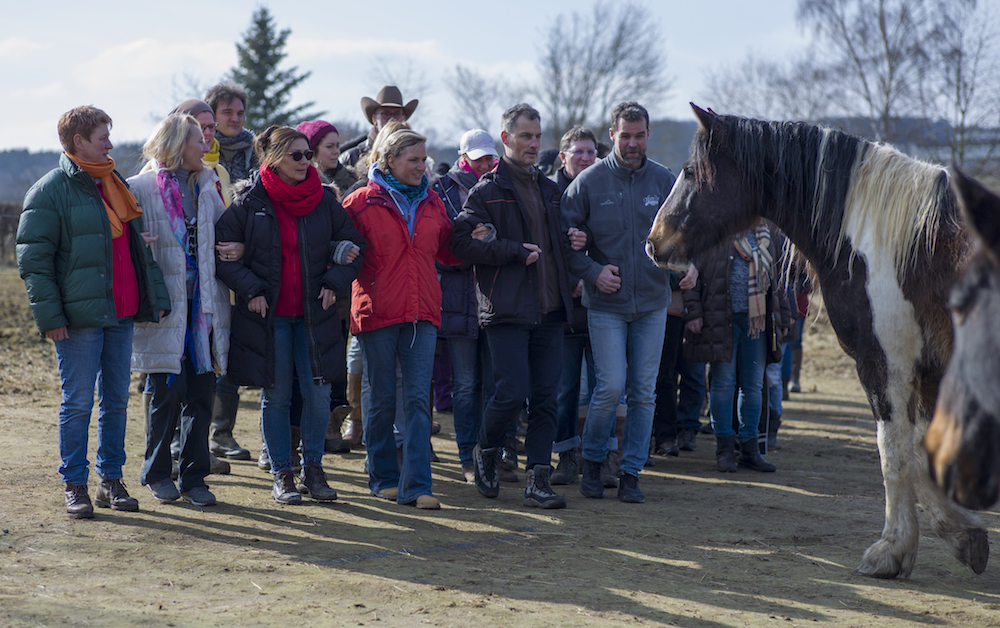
x,y
388,96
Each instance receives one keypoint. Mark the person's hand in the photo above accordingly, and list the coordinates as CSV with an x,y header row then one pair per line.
x,y
230,251
690,278
578,290
694,325
162,314
352,255
328,297
784,332
577,238
533,256
608,281
60,333
480,232
148,237
259,305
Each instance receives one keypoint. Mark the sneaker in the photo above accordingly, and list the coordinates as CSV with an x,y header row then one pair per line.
x,y
628,489
608,479
591,484
78,505
568,469
686,440
112,494
667,449
175,470
538,493
263,460
312,482
469,471
284,491
164,490
427,502
487,474
199,496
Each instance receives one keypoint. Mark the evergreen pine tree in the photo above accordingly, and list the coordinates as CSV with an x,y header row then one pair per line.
x,y
268,88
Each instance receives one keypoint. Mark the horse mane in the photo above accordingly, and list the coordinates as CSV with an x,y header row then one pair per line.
x,y
845,186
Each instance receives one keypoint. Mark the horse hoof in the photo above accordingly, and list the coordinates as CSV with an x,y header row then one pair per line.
x,y
879,561
977,551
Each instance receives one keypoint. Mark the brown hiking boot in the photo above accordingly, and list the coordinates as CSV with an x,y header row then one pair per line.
x,y
78,504
112,494
312,482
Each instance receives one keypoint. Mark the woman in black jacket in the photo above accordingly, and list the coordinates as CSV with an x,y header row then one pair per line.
x,y
301,250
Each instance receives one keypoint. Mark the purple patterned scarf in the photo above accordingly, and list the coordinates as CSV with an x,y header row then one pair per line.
x,y
196,337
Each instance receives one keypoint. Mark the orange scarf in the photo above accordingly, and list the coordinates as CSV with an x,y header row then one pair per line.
x,y
118,200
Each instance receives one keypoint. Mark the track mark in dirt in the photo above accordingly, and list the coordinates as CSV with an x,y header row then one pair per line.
x,y
523,533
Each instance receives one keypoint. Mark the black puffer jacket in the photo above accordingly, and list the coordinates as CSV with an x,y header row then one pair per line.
x,y
252,220
710,300
508,291
459,307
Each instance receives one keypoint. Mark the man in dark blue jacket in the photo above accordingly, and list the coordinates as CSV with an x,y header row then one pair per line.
x,y
524,301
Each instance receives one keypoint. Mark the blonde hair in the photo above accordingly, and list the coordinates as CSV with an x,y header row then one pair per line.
x,y
166,144
375,150
272,145
395,143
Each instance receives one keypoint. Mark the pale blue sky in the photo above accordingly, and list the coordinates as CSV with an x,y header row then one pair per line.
x,y
125,57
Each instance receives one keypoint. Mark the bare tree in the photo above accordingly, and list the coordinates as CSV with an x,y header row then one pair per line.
x,y
962,87
403,73
480,99
793,89
590,63
877,50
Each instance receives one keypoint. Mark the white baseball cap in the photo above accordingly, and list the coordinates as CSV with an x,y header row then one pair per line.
x,y
477,143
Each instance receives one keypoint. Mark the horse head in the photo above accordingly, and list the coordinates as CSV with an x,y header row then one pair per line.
x,y
707,202
963,440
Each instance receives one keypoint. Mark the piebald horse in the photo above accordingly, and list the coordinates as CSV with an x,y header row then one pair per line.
x,y
963,441
883,235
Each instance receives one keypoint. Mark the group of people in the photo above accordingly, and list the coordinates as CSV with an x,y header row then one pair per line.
x,y
329,279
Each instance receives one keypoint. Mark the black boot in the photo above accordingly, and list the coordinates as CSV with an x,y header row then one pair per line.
x,y
568,470
725,456
772,432
591,484
538,493
750,457
221,441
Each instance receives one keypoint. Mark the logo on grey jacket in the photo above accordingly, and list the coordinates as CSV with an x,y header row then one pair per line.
x,y
651,201
607,202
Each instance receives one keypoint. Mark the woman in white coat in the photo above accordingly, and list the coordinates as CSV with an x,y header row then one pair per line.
x,y
185,351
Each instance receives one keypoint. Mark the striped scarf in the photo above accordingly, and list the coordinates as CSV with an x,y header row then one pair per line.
x,y
759,259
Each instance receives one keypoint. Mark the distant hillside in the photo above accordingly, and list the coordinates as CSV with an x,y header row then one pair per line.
x,y
19,168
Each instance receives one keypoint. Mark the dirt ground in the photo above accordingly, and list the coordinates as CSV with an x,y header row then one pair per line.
x,y
705,550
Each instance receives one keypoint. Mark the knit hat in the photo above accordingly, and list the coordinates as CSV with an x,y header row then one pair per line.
x,y
193,107
315,131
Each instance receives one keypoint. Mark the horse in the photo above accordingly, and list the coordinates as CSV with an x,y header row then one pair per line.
x,y
963,440
882,233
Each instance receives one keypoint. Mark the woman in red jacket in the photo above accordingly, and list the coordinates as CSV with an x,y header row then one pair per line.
x,y
396,310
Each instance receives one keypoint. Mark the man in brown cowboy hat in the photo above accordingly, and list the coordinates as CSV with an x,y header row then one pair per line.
x,y
387,105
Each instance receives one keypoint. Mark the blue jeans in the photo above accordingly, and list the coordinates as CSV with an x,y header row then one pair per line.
x,y
412,346
772,377
627,351
291,354
526,365
575,348
88,355
746,370
471,383
188,402
691,394
665,424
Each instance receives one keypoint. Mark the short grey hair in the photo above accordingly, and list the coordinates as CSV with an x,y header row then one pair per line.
x,y
629,110
576,134
509,118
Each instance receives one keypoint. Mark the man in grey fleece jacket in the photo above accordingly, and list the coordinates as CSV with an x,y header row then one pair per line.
x,y
613,203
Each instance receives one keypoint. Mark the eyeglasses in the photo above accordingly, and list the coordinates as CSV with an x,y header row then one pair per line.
x,y
298,155
580,153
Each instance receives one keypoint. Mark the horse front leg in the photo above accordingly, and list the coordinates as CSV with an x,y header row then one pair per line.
x,y
895,554
960,529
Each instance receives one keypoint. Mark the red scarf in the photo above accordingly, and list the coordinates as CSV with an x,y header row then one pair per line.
x,y
291,201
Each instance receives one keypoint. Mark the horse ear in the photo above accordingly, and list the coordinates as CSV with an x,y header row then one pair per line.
x,y
704,117
980,208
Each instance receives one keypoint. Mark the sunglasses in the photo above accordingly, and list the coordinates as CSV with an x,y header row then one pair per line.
x,y
298,155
